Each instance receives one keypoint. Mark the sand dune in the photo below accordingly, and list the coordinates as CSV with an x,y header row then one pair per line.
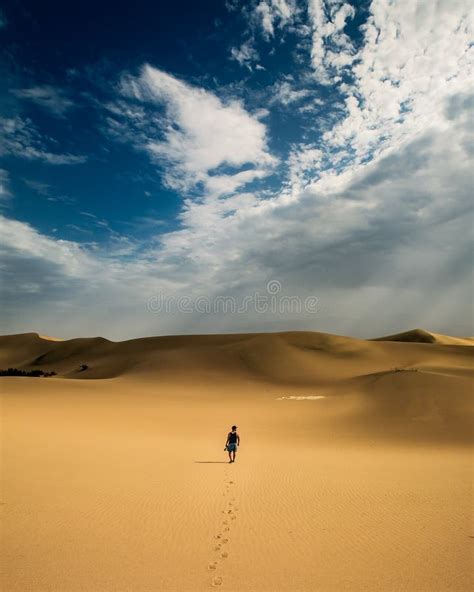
x,y
422,336
353,474
294,357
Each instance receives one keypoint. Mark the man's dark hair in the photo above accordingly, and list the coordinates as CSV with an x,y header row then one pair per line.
x,y
234,427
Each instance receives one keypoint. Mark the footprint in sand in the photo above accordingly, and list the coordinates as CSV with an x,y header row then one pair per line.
x,y
229,513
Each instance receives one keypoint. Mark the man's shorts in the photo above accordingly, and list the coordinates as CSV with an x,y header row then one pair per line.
x,y
231,447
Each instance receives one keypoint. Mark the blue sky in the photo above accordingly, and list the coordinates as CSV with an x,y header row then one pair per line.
x,y
203,150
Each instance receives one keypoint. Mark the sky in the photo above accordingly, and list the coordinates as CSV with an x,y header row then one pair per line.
x,y
236,166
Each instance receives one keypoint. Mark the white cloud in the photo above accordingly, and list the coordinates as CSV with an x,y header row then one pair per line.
x,y
70,257
266,15
263,17
246,54
199,133
284,93
412,58
227,184
19,137
331,48
303,163
4,184
48,97
274,13
350,238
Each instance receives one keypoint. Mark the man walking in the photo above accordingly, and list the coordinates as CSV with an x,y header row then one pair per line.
x,y
233,440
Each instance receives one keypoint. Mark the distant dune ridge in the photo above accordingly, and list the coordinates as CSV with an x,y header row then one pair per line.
x,y
300,357
422,336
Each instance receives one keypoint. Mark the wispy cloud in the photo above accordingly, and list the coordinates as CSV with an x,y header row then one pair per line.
x,y
284,93
246,54
20,137
39,187
48,97
3,19
262,18
4,185
269,14
47,191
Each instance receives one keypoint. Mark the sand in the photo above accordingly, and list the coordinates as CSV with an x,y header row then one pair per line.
x,y
354,471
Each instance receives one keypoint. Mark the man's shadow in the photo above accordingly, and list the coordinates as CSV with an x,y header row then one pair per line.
x,y
211,462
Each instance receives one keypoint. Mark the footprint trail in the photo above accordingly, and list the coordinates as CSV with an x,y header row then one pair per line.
x,y
222,539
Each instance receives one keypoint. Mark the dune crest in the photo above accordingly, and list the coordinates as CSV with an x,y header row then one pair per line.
x,y
50,338
423,336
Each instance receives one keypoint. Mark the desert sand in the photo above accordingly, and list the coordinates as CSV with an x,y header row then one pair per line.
x,y
354,471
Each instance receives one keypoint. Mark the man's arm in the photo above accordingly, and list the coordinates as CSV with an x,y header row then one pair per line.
x,y
227,441
238,440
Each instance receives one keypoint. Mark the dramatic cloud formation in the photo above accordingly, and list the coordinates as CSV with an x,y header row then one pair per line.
x,y
370,243
347,179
